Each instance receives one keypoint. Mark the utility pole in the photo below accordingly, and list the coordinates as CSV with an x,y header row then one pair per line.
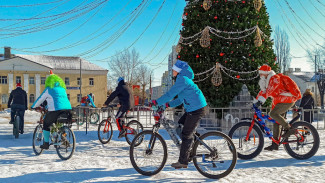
x,y
80,82
150,88
316,81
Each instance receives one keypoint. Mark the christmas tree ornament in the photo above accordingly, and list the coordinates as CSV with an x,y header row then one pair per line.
x,y
178,48
207,4
216,79
257,4
258,39
205,38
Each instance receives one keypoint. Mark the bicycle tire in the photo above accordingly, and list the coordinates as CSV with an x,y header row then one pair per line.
x,y
94,116
128,136
217,157
63,146
240,140
38,137
133,157
109,132
316,142
16,127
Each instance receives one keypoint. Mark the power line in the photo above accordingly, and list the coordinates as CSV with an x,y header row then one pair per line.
x,y
28,5
311,17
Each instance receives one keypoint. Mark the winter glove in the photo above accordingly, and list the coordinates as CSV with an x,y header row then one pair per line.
x,y
153,103
258,103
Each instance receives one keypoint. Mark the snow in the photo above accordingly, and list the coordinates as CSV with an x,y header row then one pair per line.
x,y
94,162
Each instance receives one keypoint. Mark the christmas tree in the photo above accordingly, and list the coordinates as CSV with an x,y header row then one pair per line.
x,y
235,34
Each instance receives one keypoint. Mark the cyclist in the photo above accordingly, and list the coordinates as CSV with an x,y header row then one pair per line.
x,y
57,101
284,92
18,97
194,103
88,100
125,99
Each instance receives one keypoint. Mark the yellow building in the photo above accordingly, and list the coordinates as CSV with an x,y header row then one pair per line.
x,y
31,71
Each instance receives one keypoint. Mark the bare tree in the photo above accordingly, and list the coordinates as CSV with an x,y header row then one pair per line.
x,y
282,49
125,64
144,74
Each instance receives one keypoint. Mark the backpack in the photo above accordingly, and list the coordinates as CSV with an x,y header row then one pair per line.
x,y
290,85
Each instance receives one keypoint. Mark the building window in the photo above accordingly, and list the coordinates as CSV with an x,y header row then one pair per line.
x,y
78,98
43,80
67,81
4,99
3,80
31,80
78,81
18,79
91,81
68,95
31,98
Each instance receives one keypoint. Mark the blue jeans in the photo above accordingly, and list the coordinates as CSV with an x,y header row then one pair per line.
x,y
21,113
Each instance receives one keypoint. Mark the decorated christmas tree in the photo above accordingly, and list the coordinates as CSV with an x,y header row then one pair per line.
x,y
235,35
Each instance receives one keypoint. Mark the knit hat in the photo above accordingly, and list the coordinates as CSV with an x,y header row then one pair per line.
x,y
120,79
18,85
264,69
179,66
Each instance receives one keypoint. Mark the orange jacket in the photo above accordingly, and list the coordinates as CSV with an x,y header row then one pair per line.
x,y
282,89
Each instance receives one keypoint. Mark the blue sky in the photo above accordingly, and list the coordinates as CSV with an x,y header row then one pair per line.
x,y
153,41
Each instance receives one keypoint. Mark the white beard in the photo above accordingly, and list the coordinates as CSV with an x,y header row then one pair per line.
x,y
262,82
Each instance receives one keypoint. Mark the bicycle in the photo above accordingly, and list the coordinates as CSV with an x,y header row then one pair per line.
x,y
213,153
61,135
249,140
105,129
16,124
93,117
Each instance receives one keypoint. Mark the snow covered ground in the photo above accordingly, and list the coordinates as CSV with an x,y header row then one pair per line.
x,y
94,162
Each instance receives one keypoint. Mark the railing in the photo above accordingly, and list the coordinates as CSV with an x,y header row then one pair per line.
x,y
221,119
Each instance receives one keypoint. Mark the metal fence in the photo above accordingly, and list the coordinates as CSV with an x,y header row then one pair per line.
x,y
221,119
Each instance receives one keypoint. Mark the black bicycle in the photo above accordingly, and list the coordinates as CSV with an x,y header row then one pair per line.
x,y
16,124
61,135
213,153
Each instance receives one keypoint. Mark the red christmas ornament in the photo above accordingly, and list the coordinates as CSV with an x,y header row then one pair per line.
x,y
243,1
215,17
275,58
249,55
178,56
198,15
182,24
197,56
244,40
210,39
252,59
230,43
238,16
222,54
232,51
237,76
226,61
186,13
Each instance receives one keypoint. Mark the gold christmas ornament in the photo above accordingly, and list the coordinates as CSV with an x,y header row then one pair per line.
x,y
217,78
258,39
257,4
178,48
207,4
205,39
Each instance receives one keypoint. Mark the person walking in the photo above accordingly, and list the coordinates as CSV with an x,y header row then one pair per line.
x,y
307,102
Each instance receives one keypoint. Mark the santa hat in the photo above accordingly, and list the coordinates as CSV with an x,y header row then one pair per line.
x,y
18,85
179,66
265,69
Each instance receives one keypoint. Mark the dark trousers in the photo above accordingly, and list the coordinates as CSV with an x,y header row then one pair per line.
x,y
120,114
21,112
190,120
50,118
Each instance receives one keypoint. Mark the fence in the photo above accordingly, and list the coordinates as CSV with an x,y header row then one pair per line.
x,y
221,119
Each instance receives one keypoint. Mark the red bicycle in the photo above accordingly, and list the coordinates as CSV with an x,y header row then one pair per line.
x,y
105,129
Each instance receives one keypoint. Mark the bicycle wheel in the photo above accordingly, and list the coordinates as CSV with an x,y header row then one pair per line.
x,y
148,158
218,162
304,143
38,139
16,127
66,143
94,118
250,148
133,128
105,132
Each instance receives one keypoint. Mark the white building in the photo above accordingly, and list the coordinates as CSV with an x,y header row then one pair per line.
x,y
156,92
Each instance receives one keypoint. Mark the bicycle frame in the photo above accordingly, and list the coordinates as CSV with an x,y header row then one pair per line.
x,y
110,117
261,119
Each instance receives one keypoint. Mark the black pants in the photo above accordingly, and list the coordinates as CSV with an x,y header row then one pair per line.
x,y
120,114
21,108
190,120
50,118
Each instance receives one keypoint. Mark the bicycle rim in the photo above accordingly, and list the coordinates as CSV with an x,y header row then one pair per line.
x,y
38,140
133,128
105,132
220,161
66,143
148,161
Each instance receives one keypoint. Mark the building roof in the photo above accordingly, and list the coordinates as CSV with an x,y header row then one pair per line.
x,y
318,77
305,76
61,63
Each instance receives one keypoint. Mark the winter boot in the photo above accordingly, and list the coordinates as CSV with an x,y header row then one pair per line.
x,y
272,147
122,133
178,165
289,132
45,145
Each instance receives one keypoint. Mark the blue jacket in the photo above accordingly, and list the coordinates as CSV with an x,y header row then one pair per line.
x,y
89,101
188,92
56,98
